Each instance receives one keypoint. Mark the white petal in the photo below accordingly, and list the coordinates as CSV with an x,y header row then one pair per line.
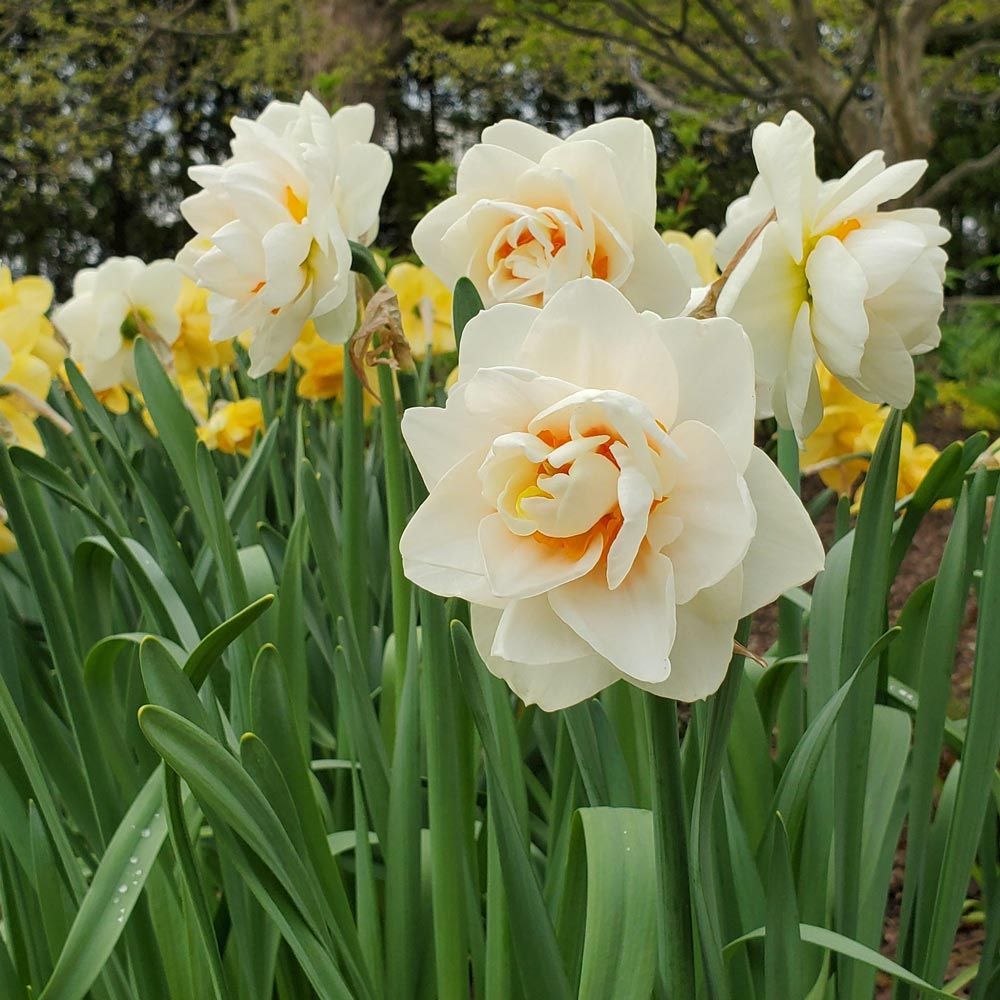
x,y
428,237
785,551
703,646
552,686
893,182
635,496
595,170
796,399
494,337
364,172
786,160
285,249
531,632
336,325
490,172
439,438
440,545
656,281
157,290
715,378
887,369
632,142
512,397
632,626
519,567
711,501
885,249
839,323
763,295
520,137
590,335
277,335
834,192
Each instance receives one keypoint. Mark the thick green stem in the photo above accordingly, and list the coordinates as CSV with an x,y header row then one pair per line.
x,y
790,711
397,483
675,937
354,527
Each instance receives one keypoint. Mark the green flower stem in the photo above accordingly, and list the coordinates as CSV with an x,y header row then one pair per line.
x,y
397,484
354,528
675,937
790,713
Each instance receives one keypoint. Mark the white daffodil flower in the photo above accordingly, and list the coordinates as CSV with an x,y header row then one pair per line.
x,y
273,224
533,212
596,494
113,304
831,278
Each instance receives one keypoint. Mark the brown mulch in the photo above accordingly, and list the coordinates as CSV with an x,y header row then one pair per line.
x,y
921,563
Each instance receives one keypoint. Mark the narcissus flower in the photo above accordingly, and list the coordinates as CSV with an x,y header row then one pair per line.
x,y
831,277
838,434
425,307
915,460
532,212
194,350
322,366
273,224
232,427
24,327
595,493
700,248
113,304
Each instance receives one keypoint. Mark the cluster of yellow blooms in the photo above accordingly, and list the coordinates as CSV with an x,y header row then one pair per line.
x,y
847,434
837,449
35,356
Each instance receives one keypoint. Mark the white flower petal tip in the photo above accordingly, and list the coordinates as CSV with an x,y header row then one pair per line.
x,y
533,212
273,224
596,502
870,280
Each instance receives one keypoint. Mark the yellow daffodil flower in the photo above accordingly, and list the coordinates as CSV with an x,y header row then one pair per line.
x,y
322,365
915,459
194,350
844,416
701,247
232,427
425,307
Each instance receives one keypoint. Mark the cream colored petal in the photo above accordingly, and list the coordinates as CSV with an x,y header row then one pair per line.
x,y
550,686
710,499
715,378
632,626
520,137
590,335
703,646
786,550
519,567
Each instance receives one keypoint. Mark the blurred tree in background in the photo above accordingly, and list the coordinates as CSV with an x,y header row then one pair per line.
x,y
109,101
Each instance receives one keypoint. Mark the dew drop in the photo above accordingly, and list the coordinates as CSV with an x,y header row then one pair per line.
x,y
133,860
123,889
138,871
144,832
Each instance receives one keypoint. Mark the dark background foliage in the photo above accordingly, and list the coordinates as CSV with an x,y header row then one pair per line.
x,y
109,101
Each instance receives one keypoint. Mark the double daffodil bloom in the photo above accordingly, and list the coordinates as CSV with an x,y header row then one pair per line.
x,y
532,212
830,277
596,494
273,224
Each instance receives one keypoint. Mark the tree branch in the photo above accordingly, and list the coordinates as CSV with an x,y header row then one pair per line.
x,y
946,182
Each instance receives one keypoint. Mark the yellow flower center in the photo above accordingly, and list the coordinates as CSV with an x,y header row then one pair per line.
x,y
844,229
295,205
